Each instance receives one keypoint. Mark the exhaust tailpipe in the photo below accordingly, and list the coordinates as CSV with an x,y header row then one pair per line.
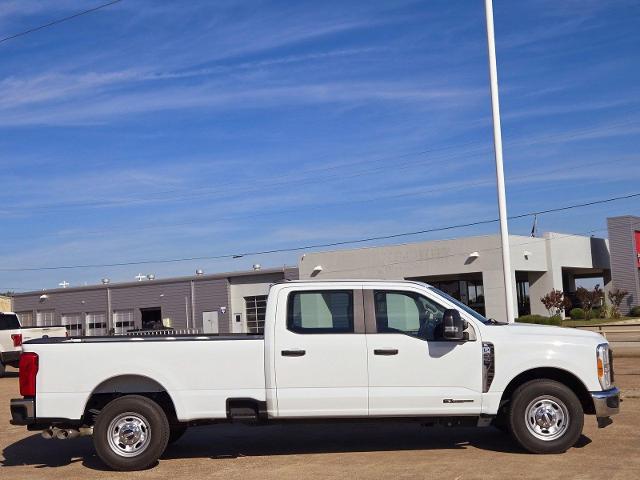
x,y
66,433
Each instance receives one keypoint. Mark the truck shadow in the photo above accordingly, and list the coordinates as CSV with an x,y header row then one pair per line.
x,y
233,441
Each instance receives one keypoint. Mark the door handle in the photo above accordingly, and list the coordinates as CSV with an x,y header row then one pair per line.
x,y
389,351
293,353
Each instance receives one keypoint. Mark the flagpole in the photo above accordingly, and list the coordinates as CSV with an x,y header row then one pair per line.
x,y
497,141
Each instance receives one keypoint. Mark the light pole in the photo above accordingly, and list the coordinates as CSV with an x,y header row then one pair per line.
x,y
497,141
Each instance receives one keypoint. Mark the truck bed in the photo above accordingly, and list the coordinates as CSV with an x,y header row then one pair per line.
x,y
200,372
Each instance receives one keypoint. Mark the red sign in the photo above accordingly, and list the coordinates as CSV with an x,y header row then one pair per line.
x,y
638,249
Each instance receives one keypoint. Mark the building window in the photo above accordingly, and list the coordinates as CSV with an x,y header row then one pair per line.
x,y
123,321
255,308
73,322
330,311
96,323
45,318
26,318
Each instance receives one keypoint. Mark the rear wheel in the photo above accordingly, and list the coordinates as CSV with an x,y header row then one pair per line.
x,y
545,416
2,369
131,433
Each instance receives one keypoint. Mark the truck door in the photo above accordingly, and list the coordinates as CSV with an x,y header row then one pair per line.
x,y
412,371
320,353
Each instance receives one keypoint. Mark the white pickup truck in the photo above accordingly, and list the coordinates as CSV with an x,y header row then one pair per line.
x,y
12,335
330,350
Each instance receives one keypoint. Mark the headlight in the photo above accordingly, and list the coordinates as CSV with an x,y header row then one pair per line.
x,y
604,366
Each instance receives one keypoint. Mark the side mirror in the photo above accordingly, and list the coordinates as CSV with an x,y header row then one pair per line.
x,y
453,326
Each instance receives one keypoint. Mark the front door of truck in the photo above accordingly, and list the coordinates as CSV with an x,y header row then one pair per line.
x,y
412,370
320,353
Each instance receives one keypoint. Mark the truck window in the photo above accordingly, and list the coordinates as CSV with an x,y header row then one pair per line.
x,y
328,311
407,313
9,321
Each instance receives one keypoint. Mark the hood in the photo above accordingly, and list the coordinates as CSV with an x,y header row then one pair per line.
x,y
549,331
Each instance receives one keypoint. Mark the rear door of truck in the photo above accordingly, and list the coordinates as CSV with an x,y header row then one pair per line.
x,y
320,352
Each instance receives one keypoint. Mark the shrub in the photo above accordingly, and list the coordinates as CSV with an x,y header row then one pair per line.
x,y
540,320
576,314
615,297
635,311
589,299
555,302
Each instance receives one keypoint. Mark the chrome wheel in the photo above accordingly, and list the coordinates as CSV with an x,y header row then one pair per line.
x,y
547,418
129,434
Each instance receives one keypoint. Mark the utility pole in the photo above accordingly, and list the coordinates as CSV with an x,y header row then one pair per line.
x,y
497,142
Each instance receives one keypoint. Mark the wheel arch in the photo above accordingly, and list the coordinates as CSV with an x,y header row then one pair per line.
x,y
551,373
128,384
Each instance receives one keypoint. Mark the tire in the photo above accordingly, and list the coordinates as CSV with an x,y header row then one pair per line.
x,y
176,432
2,369
131,433
545,416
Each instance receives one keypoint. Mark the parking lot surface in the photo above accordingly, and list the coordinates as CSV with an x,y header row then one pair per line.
x,y
353,451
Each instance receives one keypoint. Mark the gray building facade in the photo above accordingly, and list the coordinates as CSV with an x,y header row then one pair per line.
x,y
470,268
218,303
624,243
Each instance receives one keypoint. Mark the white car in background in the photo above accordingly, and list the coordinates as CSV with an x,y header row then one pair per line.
x,y
12,335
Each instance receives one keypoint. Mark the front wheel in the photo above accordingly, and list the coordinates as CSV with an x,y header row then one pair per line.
x,y
131,433
545,416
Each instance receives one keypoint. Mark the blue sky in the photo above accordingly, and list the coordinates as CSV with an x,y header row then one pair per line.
x,y
155,129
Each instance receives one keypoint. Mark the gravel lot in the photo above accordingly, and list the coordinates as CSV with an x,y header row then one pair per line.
x,y
342,451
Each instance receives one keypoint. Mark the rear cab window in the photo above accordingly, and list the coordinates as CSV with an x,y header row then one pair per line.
x,y
317,312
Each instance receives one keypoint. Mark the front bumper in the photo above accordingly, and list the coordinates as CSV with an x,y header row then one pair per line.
x,y
23,411
606,403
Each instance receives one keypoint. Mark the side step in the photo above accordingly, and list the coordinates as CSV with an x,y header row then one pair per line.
x,y
246,410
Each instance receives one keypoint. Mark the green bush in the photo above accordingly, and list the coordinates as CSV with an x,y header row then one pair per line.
x,y
595,313
635,311
540,320
576,314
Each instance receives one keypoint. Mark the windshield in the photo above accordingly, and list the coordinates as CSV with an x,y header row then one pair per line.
x,y
461,305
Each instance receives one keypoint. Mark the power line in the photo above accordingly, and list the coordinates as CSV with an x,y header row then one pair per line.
x,y
322,245
315,206
559,237
58,21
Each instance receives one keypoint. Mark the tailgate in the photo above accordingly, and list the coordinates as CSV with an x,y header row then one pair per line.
x,y
33,333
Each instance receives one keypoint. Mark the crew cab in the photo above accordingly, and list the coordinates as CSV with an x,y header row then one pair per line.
x,y
331,350
12,335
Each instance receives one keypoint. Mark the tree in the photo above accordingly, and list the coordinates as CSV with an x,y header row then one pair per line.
x,y
589,299
555,302
615,297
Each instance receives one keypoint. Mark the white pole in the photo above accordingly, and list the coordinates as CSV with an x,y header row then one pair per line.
x,y
497,140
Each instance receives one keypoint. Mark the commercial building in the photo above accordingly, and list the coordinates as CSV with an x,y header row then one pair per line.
x,y
470,268
5,303
220,303
624,242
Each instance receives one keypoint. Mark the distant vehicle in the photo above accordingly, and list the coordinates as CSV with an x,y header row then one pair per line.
x,y
331,350
12,335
